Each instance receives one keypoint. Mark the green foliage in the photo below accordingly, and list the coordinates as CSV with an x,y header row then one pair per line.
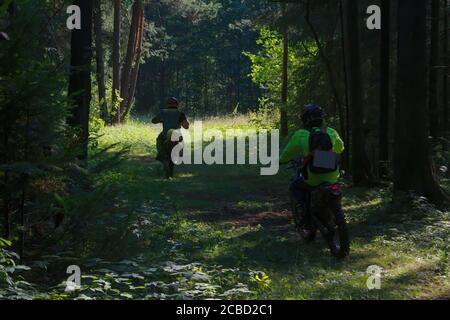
x,y
266,117
267,63
96,122
41,176
12,286
441,157
33,107
267,70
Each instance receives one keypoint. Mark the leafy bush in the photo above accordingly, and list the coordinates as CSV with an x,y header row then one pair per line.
x,y
36,143
266,117
11,287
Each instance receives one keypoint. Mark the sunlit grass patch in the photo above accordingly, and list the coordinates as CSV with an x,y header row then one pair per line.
x,y
251,205
140,136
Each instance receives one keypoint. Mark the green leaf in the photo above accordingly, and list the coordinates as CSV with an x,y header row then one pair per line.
x,y
5,243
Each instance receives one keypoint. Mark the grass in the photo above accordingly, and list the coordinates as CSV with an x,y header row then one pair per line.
x,y
234,218
226,232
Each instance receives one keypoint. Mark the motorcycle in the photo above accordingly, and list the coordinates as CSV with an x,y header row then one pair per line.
x,y
165,155
323,212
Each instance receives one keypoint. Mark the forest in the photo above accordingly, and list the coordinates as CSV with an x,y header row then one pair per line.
x,y
86,211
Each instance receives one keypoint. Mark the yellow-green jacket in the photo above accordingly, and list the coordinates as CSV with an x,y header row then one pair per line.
x,y
299,146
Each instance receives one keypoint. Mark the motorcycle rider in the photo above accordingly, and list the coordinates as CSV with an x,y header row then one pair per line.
x,y
312,117
171,119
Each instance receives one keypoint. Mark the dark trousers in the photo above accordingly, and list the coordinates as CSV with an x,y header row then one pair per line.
x,y
161,146
300,191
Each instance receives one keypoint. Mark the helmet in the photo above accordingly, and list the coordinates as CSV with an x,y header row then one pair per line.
x,y
172,102
311,113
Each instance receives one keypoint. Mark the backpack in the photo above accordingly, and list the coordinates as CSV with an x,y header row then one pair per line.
x,y
321,158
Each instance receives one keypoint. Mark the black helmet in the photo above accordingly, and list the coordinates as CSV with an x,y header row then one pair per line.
x,y
172,102
312,113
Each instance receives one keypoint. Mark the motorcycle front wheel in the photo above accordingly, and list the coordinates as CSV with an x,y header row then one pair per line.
x,y
307,234
338,239
168,168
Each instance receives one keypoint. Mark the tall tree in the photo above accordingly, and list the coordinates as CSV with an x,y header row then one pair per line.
x,y
434,69
360,167
446,73
328,67
132,60
80,75
284,86
412,160
385,96
345,114
6,129
116,56
100,60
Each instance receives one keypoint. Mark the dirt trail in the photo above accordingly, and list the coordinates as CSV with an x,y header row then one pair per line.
x,y
273,215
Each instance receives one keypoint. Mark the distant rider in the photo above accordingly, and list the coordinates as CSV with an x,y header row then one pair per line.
x,y
171,119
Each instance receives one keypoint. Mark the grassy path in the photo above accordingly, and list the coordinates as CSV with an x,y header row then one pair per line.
x,y
230,227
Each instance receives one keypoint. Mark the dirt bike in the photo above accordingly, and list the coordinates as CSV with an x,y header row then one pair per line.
x,y
167,161
165,155
323,213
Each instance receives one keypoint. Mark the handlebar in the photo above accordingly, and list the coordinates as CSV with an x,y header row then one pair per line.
x,y
296,164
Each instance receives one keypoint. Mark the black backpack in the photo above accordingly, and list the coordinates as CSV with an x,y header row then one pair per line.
x,y
321,158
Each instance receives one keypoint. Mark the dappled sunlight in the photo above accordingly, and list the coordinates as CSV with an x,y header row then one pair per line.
x,y
367,205
424,278
185,175
417,268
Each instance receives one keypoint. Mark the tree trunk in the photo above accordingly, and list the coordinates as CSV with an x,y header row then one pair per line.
x,y
22,210
205,87
325,61
344,113
163,87
239,72
412,161
284,130
6,207
80,75
12,9
128,64
131,68
100,59
5,157
360,167
131,92
116,58
446,74
434,70
385,96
